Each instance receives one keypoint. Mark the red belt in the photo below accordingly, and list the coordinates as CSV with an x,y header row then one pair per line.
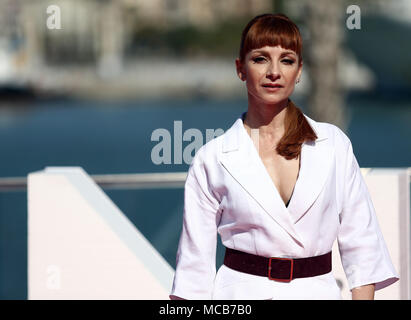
x,y
279,269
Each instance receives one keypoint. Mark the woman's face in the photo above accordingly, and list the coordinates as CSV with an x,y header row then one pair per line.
x,y
270,73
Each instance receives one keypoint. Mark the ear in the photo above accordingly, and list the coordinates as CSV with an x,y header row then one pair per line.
x,y
300,69
240,69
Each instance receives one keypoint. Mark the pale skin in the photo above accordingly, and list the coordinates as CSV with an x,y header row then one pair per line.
x,y
363,292
267,107
262,69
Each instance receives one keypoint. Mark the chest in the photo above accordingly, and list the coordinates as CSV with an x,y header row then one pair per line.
x,y
283,173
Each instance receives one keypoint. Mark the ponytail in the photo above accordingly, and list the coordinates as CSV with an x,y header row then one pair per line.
x,y
297,131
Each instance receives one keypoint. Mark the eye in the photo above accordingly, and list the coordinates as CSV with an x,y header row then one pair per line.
x,y
288,61
259,59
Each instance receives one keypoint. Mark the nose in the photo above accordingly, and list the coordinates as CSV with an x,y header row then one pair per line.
x,y
273,71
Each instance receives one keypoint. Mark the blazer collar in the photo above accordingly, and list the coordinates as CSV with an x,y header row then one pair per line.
x,y
234,135
240,158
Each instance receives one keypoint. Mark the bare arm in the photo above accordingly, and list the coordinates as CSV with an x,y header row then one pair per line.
x,y
365,292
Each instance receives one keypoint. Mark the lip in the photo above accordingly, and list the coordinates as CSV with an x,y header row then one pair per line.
x,y
272,85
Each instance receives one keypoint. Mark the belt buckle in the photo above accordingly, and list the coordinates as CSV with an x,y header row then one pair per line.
x,y
281,259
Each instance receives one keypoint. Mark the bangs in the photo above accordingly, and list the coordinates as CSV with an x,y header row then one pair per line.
x,y
271,30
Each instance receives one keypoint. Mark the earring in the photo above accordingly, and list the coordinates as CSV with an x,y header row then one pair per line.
x,y
298,80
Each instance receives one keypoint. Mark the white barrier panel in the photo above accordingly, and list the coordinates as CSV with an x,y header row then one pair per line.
x,y
390,193
81,246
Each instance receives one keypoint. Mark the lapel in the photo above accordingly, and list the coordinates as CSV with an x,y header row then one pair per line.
x,y
240,158
316,161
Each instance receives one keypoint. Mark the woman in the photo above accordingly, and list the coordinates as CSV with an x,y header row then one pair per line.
x,y
279,188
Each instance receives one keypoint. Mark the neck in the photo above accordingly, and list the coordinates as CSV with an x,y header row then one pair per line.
x,y
268,119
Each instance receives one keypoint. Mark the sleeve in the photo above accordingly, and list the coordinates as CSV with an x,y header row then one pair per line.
x,y
364,255
196,254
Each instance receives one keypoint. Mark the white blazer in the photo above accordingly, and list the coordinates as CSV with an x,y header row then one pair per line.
x,y
228,190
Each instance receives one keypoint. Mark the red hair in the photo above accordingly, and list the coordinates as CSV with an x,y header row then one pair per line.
x,y
271,30
274,30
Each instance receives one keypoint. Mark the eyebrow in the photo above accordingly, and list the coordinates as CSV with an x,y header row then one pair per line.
x,y
288,52
281,55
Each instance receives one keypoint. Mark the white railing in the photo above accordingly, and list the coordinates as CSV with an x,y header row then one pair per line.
x,y
125,181
115,181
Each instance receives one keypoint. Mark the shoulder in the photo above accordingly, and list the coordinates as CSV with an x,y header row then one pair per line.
x,y
209,151
330,132
229,140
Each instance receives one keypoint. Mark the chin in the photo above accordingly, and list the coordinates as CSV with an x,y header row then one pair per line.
x,y
267,98
273,100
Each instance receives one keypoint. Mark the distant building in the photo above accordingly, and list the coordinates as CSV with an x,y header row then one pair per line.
x,y
198,12
97,31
